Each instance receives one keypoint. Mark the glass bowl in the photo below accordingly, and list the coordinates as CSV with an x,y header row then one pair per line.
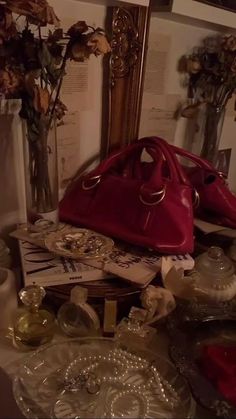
x,y
96,378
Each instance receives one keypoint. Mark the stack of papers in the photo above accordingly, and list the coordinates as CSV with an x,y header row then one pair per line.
x,y
130,263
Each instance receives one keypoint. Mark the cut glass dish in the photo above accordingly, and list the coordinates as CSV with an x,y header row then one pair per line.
x,y
95,378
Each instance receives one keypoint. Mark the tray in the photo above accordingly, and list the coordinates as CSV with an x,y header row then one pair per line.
x,y
187,338
95,378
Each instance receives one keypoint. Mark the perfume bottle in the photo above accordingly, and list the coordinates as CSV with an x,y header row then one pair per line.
x,y
132,331
77,317
33,325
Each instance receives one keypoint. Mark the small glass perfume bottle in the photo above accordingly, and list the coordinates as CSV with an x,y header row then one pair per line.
x,y
132,331
33,325
77,317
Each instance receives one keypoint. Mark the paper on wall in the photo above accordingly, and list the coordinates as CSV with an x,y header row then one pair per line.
x,y
159,116
68,135
157,63
74,92
230,108
75,86
75,95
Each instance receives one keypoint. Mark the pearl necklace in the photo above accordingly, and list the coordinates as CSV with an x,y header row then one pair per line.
x,y
124,362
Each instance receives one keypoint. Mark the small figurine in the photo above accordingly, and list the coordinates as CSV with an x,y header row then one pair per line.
x,y
158,302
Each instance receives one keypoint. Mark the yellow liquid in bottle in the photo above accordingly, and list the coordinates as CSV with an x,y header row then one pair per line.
x,y
33,329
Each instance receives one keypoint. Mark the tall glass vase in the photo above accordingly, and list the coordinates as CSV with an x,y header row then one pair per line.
x,y
213,124
41,176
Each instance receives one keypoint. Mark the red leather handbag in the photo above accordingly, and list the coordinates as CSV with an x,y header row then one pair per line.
x,y
217,204
214,202
152,210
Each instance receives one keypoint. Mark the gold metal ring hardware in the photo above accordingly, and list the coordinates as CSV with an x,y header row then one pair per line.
x,y
97,180
161,194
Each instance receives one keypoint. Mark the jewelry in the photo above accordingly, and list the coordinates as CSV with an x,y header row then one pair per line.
x,y
121,363
161,385
133,392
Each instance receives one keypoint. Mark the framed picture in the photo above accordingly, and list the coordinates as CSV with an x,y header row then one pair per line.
x,y
222,4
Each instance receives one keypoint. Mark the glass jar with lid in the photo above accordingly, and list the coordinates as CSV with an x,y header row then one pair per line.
x,y
215,274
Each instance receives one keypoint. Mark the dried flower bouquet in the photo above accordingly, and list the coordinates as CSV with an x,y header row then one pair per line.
x,y
32,68
211,70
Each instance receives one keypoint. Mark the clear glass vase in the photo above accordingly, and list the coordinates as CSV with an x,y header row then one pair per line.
x,y
41,175
213,124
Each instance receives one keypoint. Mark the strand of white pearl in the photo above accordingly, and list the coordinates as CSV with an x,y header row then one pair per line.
x,y
137,362
145,400
127,362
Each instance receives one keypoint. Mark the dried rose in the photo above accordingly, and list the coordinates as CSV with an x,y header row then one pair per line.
x,y
98,44
37,11
60,109
7,25
30,81
79,52
212,44
30,50
78,29
55,51
193,65
41,99
11,81
229,43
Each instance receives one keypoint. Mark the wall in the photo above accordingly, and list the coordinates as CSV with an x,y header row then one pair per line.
x,y
87,130
183,37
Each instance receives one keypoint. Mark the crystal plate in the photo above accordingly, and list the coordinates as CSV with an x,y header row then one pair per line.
x,y
187,341
79,243
95,378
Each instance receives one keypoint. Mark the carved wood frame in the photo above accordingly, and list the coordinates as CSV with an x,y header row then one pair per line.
x,y
122,95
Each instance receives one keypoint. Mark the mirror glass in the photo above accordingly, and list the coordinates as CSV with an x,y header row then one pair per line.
x,y
165,90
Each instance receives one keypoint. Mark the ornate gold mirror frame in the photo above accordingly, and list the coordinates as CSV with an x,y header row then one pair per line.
x,y
125,74
122,79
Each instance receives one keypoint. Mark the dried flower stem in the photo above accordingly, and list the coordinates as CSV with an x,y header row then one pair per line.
x,y
58,88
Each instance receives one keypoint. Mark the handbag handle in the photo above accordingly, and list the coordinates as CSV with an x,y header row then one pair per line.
x,y
195,159
167,150
153,191
153,148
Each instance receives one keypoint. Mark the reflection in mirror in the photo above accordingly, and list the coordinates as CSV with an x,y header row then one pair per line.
x,y
166,88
